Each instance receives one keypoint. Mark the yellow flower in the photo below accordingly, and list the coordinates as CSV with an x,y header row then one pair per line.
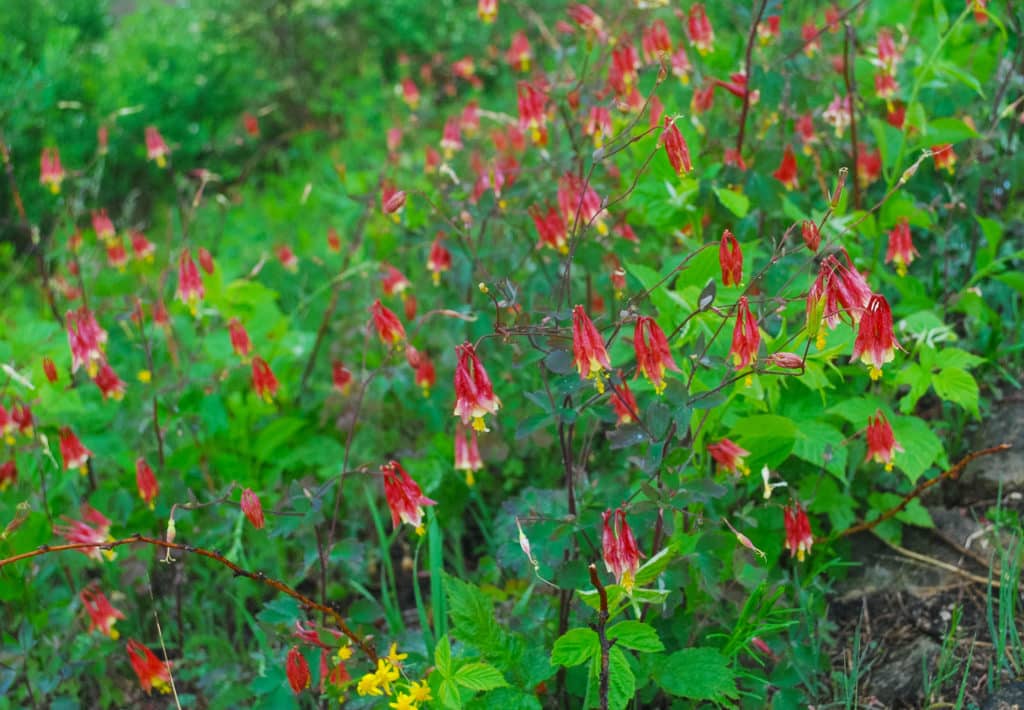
x,y
394,656
385,675
403,701
368,685
420,691
344,653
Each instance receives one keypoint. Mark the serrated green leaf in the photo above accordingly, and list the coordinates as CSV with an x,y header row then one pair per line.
x,y
479,676
959,386
735,202
443,656
921,447
575,648
637,636
696,673
621,681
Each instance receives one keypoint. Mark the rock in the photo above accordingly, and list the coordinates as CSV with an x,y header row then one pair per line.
x,y
1010,697
1005,425
898,678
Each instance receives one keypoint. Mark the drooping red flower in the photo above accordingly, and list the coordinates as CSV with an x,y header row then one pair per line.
x,y
152,672
392,200
882,444
190,286
786,173
599,125
50,370
901,247
875,342
297,671
787,361
811,234
389,329
576,198
474,394
8,475
102,140
699,28
681,66
111,386
839,289
206,261
624,403
451,138
425,375
410,93
729,456
655,43
72,451
21,415
532,104
806,133
838,114
944,157
102,614
886,51
333,240
393,281
519,53
287,257
117,256
467,452
589,353
404,497
156,148
51,172
93,529
439,260
551,229
86,340
102,225
730,258
869,166
769,29
622,73
586,18
251,125
653,355
746,337
252,508
619,548
799,538
676,149
142,248
263,380
341,377
146,481
239,337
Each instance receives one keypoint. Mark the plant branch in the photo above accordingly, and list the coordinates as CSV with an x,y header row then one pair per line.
x,y
746,72
602,635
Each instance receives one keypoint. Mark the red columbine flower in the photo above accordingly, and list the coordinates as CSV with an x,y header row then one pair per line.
x,y
681,66
50,370
519,53
896,115
944,157
389,329
439,260
901,247
263,380
393,281
287,257
588,349
102,139
655,42
117,257
8,475
882,446
251,124
240,342
467,452
626,409
206,261
622,74
786,173
333,240
745,336
888,54
980,9
837,114
875,341
51,172
152,672
474,394
297,670
653,356
869,166
102,225
7,425
404,497
425,375
252,509
811,234
809,34
675,147
550,229
74,454
102,614
838,289
392,200
410,93
586,18
787,361
619,549
699,29
532,104
806,133
93,529
886,87
576,197
799,539
109,383
410,307
451,138
470,118
730,258
729,457
190,286
142,248
145,479
769,29
21,415
599,124
156,148
341,377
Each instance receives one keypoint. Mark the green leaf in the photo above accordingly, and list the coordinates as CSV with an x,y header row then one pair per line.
x,y
696,673
575,647
480,676
955,357
472,614
735,202
443,656
449,694
955,385
949,130
621,681
768,437
913,514
921,447
822,445
919,379
652,568
637,636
